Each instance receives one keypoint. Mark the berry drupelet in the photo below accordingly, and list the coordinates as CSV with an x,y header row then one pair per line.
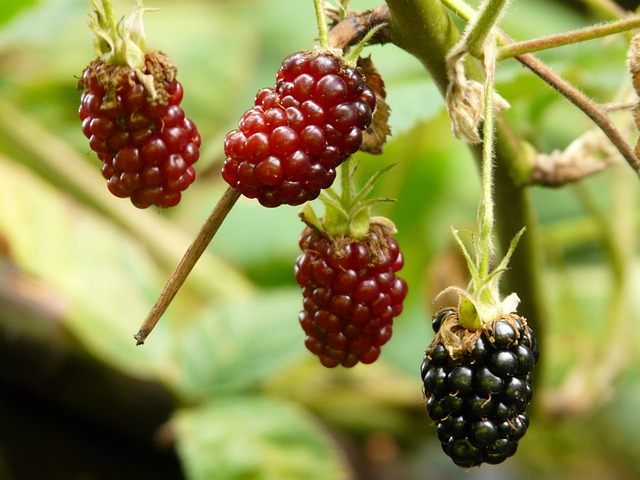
x,y
477,393
351,294
287,147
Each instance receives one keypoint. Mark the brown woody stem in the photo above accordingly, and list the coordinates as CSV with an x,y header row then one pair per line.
x,y
190,258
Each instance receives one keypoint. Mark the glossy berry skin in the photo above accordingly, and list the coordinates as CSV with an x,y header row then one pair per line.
x,y
287,147
147,148
350,296
478,401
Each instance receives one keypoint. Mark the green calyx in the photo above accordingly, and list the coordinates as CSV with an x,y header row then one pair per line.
x,y
347,214
120,43
480,303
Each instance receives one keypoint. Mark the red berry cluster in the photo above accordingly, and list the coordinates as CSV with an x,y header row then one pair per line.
x,y
147,147
287,147
350,295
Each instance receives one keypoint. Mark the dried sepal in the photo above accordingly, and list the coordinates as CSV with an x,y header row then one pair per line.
x,y
375,137
465,101
457,340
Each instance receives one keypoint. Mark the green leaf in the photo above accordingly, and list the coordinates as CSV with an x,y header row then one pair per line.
x,y
244,438
237,345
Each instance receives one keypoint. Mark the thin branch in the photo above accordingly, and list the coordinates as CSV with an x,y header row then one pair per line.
x,y
561,39
584,103
194,252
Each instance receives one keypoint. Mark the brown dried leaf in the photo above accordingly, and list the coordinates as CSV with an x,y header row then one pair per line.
x,y
374,138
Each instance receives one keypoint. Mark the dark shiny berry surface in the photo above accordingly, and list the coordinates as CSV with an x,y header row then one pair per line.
x,y
147,148
350,298
478,401
287,146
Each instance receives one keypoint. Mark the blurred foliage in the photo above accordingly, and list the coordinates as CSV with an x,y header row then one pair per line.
x,y
250,402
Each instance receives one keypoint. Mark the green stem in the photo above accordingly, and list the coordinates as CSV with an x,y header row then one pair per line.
x,y
461,9
424,29
321,20
485,210
581,35
479,29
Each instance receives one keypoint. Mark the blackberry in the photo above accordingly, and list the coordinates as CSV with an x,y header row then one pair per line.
x,y
351,294
147,147
478,396
287,147
131,114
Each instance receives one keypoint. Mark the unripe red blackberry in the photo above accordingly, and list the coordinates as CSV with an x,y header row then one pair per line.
x,y
351,294
147,147
131,114
478,397
287,147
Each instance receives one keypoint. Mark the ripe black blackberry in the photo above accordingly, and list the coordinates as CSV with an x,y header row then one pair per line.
x,y
477,388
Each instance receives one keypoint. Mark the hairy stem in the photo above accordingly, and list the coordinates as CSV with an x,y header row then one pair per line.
x,y
424,29
480,27
581,35
110,15
321,20
485,210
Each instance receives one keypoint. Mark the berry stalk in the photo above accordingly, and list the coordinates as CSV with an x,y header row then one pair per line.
x,y
321,20
485,210
480,304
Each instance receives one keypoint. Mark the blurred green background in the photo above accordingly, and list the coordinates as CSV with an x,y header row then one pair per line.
x,y
224,388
